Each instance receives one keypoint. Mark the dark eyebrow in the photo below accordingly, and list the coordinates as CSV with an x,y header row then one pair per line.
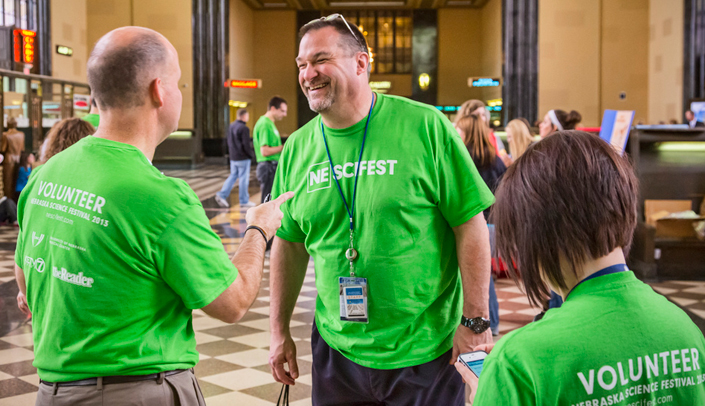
x,y
317,55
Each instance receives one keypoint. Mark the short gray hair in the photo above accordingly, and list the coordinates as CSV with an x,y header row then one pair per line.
x,y
119,75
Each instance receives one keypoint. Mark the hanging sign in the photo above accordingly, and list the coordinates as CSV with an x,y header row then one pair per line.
x,y
381,86
25,46
244,83
484,82
82,102
64,50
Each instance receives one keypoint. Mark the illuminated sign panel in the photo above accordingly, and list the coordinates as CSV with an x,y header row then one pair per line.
x,y
381,86
244,83
448,109
484,82
64,50
24,41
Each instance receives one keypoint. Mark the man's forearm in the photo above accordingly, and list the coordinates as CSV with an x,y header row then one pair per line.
x,y
268,151
474,258
287,271
249,261
19,277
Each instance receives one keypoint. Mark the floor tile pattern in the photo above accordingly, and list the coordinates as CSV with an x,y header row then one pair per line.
x,y
205,180
233,367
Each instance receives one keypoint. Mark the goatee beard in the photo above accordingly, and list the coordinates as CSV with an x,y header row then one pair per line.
x,y
322,106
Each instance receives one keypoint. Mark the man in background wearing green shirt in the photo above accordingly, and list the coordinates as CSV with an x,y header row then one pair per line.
x,y
389,204
113,256
93,116
268,144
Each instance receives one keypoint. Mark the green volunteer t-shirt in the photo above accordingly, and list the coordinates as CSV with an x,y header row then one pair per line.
x,y
115,256
265,133
94,119
416,182
613,342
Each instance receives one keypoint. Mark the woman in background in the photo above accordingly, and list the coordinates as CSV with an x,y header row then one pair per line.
x,y
477,107
26,162
558,120
476,137
64,134
11,145
519,138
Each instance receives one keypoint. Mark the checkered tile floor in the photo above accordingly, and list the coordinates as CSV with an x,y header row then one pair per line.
x,y
688,295
233,367
205,181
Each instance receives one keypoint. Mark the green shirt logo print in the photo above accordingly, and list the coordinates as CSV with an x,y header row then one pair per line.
x,y
318,177
319,174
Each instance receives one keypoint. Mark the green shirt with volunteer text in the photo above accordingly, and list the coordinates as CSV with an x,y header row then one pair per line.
x,y
613,342
265,133
115,256
416,182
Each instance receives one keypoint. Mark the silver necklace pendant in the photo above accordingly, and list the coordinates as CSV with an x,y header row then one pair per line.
x,y
351,254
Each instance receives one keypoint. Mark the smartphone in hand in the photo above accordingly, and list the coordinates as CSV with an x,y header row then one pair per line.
x,y
473,360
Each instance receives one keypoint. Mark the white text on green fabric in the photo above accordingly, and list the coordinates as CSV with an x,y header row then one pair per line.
x,y
664,364
82,198
319,174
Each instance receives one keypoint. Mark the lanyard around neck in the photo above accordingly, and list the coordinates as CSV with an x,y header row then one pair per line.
x,y
350,208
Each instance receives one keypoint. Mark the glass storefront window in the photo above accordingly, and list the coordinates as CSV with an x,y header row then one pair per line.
x,y
402,58
51,104
19,13
9,13
388,34
81,101
23,15
15,102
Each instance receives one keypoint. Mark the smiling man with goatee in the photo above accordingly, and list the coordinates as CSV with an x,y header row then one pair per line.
x,y
389,204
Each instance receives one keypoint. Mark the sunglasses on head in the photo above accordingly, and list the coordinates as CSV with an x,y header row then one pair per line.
x,y
333,17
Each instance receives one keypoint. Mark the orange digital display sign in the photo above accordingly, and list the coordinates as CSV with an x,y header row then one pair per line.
x,y
244,83
25,46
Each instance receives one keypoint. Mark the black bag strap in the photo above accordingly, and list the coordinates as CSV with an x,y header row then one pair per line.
x,y
283,396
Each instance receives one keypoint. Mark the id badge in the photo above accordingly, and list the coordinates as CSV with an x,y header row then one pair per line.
x,y
353,299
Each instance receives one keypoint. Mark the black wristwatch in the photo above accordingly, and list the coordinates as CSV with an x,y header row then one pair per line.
x,y
478,324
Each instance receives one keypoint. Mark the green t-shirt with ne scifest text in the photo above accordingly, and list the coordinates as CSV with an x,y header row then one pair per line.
x,y
115,255
416,182
265,133
613,342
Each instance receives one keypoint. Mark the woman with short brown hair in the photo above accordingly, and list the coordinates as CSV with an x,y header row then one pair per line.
x,y
565,215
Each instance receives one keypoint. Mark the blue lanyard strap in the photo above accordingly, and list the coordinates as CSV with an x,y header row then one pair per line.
x,y
350,209
602,272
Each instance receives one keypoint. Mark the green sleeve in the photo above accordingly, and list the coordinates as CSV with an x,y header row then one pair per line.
x,y
272,138
256,133
504,383
462,192
190,258
290,229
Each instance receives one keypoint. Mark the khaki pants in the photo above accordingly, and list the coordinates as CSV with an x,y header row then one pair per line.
x,y
179,389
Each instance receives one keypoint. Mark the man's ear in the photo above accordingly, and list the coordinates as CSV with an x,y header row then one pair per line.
x,y
156,93
363,61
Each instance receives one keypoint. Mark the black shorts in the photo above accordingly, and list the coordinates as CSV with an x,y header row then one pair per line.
x,y
339,381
